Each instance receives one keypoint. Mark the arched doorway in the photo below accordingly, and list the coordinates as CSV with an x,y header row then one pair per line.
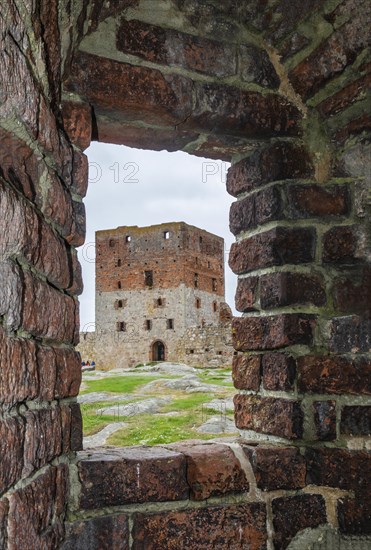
x,y
158,351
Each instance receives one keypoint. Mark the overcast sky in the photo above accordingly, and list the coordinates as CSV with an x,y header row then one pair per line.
x,y
134,187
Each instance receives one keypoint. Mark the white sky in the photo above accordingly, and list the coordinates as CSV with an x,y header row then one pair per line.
x,y
135,187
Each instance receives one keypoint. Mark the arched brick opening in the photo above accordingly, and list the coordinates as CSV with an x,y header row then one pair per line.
x,y
158,351
287,105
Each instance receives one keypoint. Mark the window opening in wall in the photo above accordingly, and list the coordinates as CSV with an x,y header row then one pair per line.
x,y
191,351
159,302
128,238
167,235
195,280
158,351
119,285
120,303
200,240
111,243
215,306
198,303
214,287
209,265
121,326
170,323
148,278
148,324
118,263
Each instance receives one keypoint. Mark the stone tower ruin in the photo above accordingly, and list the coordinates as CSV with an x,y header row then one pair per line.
x,y
160,296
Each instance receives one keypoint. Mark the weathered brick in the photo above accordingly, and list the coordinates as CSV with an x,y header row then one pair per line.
x,y
279,370
355,127
325,420
246,372
11,451
37,511
308,201
68,368
350,334
278,246
352,293
274,332
10,294
203,528
331,57
343,245
247,294
334,374
349,470
77,122
80,173
76,434
356,420
257,209
279,161
354,515
112,476
269,415
255,66
78,228
42,439
100,533
4,506
277,468
212,470
227,109
290,289
295,513
136,93
171,47
48,313
345,97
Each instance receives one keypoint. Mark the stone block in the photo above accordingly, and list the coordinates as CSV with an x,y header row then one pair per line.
x,y
246,372
318,201
212,470
350,334
269,415
352,293
334,374
279,371
77,122
277,468
80,173
174,48
263,207
100,533
276,162
255,66
278,246
12,432
273,332
325,420
247,294
222,527
4,506
291,289
354,515
115,476
342,245
295,513
356,420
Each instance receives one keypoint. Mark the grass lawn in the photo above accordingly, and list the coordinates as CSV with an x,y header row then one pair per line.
x,y
120,384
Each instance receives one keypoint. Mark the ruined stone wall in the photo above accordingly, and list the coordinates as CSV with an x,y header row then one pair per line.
x,y
281,88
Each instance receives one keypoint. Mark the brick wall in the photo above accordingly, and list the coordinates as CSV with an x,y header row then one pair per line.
x,y
280,90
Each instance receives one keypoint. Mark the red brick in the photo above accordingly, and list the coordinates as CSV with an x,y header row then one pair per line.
x,y
355,127
331,57
48,313
353,293
221,109
18,367
222,527
356,420
68,368
325,420
42,439
247,294
354,515
342,245
116,476
334,375
174,48
78,228
4,506
255,66
349,470
277,468
135,93
274,332
80,173
269,415
279,161
37,511
100,533
278,246
257,209
279,371
76,434
350,334
309,201
76,286
10,294
246,372
345,97
212,470
295,513
11,451
290,289
77,122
